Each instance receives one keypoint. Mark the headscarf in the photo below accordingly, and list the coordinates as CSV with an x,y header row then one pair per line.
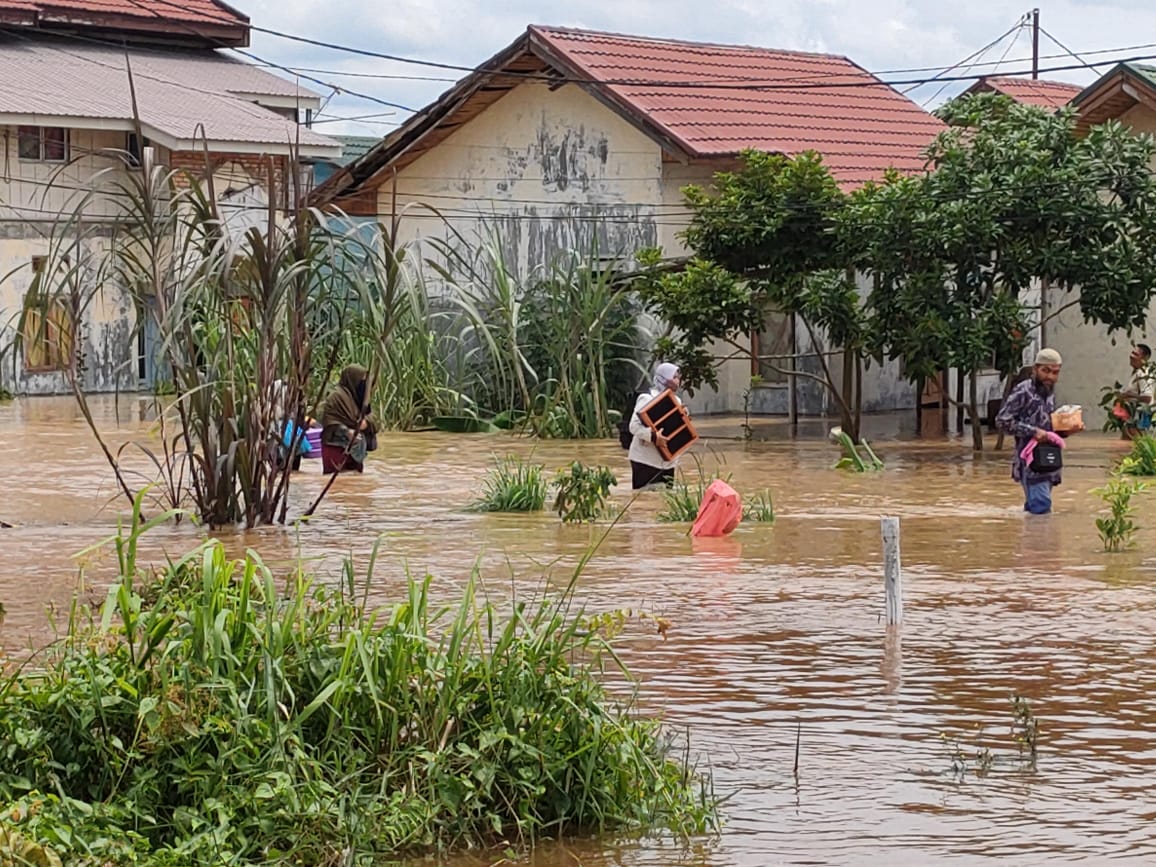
x,y
347,404
664,375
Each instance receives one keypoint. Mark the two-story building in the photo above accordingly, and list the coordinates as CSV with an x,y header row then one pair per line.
x,y
76,79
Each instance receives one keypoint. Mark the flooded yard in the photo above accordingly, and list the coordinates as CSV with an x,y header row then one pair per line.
x,y
776,639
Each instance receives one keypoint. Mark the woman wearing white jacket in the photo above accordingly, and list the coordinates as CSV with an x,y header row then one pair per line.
x,y
647,465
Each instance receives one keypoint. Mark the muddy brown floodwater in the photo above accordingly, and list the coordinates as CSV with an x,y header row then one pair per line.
x,y
775,630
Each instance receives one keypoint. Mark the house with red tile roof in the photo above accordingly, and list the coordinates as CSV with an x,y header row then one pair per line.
x,y
68,115
1050,95
570,136
1094,359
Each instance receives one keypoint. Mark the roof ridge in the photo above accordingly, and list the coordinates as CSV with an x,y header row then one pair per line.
x,y
546,29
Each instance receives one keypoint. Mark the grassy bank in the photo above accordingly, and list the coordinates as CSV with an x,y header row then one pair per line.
x,y
210,713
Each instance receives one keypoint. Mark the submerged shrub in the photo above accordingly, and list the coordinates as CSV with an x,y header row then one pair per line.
x,y
581,492
513,485
223,718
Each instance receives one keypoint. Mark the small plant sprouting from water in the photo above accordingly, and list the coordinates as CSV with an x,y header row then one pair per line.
x,y
982,759
5,394
582,492
865,462
760,509
1117,529
1141,461
1025,730
513,485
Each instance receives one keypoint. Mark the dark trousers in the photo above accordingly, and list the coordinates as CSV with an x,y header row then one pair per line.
x,y
644,474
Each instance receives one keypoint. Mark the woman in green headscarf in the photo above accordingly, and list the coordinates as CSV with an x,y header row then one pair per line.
x,y
344,418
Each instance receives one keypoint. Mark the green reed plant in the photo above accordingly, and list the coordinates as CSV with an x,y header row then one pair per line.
x,y
684,498
1117,528
513,485
760,508
214,714
581,492
560,344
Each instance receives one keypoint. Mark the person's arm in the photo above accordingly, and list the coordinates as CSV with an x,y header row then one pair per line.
x,y
1008,417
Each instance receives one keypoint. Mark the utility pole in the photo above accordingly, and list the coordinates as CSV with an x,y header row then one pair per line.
x,y
1035,44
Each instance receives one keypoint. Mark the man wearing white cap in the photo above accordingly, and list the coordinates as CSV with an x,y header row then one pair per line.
x,y
1027,415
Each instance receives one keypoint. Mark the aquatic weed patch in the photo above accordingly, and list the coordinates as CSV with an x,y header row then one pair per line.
x,y
513,485
228,717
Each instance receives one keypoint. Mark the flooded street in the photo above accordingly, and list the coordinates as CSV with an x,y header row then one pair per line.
x,y
776,635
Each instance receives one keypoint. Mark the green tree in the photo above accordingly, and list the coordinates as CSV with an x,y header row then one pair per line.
x,y
1013,194
765,239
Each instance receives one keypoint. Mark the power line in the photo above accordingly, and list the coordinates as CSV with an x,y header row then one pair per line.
x,y
1015,28
741,84
1018,30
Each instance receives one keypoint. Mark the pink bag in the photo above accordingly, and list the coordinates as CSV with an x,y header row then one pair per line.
x,y
720,511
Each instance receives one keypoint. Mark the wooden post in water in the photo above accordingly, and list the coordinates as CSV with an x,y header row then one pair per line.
x,y
892,572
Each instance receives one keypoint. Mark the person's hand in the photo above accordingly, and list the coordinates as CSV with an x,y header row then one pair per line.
x,y
1040,435
364,424
660,440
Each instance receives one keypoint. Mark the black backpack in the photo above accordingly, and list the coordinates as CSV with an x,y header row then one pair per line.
x,y
625,437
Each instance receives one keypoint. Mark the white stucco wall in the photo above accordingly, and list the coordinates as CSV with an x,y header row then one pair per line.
x,y
36,200
549,169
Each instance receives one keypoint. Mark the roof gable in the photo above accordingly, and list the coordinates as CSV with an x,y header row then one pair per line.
x,y
204,22
1050,95
698,101
88,86
1117,91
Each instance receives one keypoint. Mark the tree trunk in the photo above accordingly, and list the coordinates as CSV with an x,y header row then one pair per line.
x,y
973,401
919,386
858,395
847,416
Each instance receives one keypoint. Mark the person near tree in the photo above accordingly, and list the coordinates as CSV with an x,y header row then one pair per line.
x,y
1027,415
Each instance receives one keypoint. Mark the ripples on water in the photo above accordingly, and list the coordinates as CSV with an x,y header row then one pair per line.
x,y
776,630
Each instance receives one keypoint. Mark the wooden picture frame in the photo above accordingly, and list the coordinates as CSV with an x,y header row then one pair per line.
x,y
667,416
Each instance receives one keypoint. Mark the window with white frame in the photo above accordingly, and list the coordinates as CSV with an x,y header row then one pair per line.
x,y
46,144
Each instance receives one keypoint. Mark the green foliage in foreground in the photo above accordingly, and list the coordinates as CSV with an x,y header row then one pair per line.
x,y
212,715
513,485
1141,461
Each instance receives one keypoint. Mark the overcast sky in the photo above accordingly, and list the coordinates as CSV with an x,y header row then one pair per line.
x,y
880,35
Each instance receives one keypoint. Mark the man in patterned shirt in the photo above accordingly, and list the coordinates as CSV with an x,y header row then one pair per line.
x,y
1027,415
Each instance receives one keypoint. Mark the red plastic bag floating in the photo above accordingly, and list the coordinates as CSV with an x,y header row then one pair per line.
x,y
720,511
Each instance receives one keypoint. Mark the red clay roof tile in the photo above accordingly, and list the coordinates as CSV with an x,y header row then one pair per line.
x,y
110,12
1044,94
717,100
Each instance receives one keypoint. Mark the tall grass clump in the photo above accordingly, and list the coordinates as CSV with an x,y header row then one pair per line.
x,y
683,499
1141,460
559,346
213,714
513,485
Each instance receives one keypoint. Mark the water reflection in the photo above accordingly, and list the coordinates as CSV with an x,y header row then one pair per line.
x,y
776,627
